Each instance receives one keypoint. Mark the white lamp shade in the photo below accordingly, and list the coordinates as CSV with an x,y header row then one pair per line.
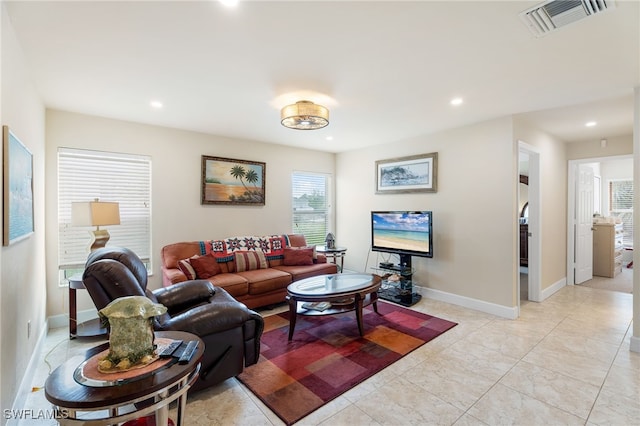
x,y
95,213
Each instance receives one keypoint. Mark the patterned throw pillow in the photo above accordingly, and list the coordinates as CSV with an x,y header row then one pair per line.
x,y
205,266
250,260
298,256
185,266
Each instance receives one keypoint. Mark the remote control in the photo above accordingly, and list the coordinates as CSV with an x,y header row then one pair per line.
x,y
188,352
170,349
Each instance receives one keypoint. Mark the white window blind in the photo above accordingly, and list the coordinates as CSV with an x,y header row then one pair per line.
x,y
86,175
310,206
621,206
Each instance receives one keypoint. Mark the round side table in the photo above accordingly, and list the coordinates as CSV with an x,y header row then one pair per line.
x,y
79,404
335,254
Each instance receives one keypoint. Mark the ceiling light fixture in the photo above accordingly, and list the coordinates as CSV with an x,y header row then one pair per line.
x,y
456,101
156,104
304,115
229,3
590,123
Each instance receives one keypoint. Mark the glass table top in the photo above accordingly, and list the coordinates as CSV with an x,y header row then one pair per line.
x,y
323,285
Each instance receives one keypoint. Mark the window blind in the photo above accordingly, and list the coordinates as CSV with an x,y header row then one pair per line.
x,y
621,206
85,175
310,206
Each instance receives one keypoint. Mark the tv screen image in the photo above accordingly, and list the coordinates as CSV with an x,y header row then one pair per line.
x,y
402,232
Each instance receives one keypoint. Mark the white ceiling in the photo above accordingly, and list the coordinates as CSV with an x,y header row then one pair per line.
x,y
386,70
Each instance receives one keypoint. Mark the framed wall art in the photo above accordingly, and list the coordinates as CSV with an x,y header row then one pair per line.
x,y
417,173
232,182
17,189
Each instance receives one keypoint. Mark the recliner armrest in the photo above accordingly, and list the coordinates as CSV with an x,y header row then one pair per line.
x,y
209,319
184,295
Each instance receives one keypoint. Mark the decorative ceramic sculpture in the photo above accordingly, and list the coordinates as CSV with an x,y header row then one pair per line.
x,y
131,333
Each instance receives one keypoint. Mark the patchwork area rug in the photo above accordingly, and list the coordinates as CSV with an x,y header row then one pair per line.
x,y
327,356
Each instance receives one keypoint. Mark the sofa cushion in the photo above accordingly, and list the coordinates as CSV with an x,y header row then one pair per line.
x,y
234,284
185,267
205,266
250,260
306,271
298,256
263,281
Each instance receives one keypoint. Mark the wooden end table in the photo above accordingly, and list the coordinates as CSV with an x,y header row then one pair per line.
x,y
91,328
152,393
345,293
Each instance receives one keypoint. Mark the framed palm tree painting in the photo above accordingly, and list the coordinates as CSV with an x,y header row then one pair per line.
x,y
233,182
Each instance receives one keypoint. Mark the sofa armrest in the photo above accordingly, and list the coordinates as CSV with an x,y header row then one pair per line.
x,y
172,276
186,294
321,258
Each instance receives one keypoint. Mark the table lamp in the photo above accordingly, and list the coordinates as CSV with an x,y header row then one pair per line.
x,y
96,213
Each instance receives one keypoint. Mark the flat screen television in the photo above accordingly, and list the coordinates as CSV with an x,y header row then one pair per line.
x,y
406,233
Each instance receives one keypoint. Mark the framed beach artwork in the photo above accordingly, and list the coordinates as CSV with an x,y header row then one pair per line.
x,y
417,173
17,189
232,182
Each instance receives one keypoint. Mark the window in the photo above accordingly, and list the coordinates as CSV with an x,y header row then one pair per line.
x,y
310,205
86,175
621,206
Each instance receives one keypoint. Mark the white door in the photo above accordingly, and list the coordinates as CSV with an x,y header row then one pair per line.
x,y
584,225
535,223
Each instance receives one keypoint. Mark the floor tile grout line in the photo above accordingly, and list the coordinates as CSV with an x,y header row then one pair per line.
x,y
604,381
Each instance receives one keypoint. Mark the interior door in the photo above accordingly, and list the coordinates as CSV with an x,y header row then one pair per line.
x,y
584,225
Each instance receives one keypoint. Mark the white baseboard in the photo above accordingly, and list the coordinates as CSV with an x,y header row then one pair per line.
x,y
62,320
552,289
27,380
467,302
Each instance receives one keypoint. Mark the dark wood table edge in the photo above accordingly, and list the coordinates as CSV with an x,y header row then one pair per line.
x,y
102,396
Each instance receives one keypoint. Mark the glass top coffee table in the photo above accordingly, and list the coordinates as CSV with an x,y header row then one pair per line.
x,y
332,294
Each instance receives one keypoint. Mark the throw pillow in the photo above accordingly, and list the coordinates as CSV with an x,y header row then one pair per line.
x,y
315,253
185,266
298,256
205,266
250,260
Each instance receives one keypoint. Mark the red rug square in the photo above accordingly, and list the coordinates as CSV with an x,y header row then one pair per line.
x,y
327,356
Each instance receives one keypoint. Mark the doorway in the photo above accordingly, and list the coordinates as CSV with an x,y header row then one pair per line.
x,y
612,181
529,224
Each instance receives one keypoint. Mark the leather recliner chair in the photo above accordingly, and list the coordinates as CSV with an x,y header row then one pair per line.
x,y
231,332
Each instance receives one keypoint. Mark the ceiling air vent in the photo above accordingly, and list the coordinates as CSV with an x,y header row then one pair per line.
x,y
549,16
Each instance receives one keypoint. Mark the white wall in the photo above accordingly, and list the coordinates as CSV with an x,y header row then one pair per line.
x,y
619,145
474,209
177,214
23,290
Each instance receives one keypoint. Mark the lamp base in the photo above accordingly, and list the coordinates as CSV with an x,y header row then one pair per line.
x,y
100,239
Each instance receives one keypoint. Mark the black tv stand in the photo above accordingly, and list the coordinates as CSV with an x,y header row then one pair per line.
x,y
400,291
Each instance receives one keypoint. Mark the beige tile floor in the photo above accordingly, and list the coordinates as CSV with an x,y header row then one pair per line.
x,y
564,361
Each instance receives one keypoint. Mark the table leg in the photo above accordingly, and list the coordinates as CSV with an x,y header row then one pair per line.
x,y
293,313
374,301
73,317
113,412
341,263
182,405
162,413
359,302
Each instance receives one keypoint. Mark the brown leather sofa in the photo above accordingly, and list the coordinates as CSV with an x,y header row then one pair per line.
x,y
231,332
254,288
